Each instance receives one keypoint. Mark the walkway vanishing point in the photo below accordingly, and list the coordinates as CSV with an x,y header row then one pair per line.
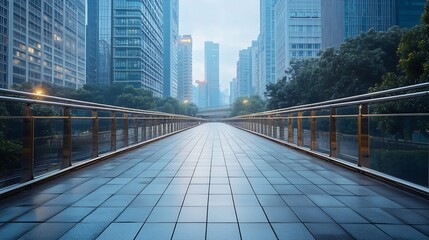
x,y
214,182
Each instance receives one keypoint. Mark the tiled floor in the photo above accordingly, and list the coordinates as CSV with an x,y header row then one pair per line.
x,y
214,182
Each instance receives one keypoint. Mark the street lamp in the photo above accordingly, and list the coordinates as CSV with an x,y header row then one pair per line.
x,y
245,101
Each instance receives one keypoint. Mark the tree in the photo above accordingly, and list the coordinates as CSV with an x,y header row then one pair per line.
x,y
246,105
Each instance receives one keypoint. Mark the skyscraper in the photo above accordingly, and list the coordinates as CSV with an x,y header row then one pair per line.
x,y
244,73
211,69
298,32
256,87
343,19
46,42
171,34
233,90
267,42
203,95
138,44
185,69
3,43
99,43
408,13
128,38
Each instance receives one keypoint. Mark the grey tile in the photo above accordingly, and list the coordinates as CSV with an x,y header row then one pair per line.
x,y
48,231
241,189
344,215
193,214
264,189
311,215
198,189
168,200
121,231
189,231
287,189
292,231
10,213
220,200
92,200
325,201
145,201
65,199
401,231
328,231
134,214
408,216
84,231
365,231
15,230
223,231
220,189
71,214
221,214
377,215
164,214
298,201
280,215
195,200
245,200
40,214
257,231
103,214
156,231
250,214
271,200
119,201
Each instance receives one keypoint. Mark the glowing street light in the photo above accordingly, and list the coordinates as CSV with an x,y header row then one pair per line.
x,y
39,91
245,101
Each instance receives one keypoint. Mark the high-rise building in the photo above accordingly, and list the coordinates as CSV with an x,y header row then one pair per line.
x,y
267,42
128,39
408,13
99,43
233,90
46,42
342,19
171,34
138,44
298,32
244,73
256,86
185,69
203,94
3,43
211,70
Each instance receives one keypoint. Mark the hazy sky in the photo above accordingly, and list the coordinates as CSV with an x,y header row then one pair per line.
x,y
231,23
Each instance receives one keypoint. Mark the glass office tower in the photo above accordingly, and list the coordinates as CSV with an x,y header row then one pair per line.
x,y
171,35
211,69
3,43
47,42
185,69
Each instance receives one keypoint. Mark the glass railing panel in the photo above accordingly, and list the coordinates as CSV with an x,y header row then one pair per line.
x,y
104,136
81,136
306,133
322,131
347,137
11,146
120,134
399,142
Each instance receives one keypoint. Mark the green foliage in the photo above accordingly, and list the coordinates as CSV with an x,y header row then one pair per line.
x,y
246,105
358,65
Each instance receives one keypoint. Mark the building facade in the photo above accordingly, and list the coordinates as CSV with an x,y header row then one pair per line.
x,y
244,73
137,44
342,19
267,42
211,71
99,43
233,90
184,70
256,86
203,94
4,6
298,32
46,42
171,35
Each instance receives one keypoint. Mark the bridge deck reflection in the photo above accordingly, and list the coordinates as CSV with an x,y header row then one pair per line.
x,y
214,182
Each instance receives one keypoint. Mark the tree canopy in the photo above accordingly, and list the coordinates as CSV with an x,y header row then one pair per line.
x,y
246,105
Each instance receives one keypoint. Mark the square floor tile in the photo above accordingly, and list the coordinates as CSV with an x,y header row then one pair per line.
x,y
164,214
193,214
189,231
257,231
223,231
221,214
156,231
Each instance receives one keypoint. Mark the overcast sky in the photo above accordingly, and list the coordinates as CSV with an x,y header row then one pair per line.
x,y
231,23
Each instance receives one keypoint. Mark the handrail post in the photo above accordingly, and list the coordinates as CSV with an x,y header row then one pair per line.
x,y
67,139
333,149
125,129
300,138
281,121
95,132
136,129
27,164
289,128
363,137
113,132
144,134
150,127
313,136
270,126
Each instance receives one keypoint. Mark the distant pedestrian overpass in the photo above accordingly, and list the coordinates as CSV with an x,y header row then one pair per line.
x,y
215,113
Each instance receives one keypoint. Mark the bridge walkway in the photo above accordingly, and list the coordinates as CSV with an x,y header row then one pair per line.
x,y
214,182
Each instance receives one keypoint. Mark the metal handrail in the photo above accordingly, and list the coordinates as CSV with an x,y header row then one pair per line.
x,y
287,126
346,99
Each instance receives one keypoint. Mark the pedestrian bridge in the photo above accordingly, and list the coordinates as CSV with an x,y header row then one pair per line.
x,y
276,175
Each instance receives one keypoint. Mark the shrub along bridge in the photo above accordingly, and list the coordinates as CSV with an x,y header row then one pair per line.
x,y
348,168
